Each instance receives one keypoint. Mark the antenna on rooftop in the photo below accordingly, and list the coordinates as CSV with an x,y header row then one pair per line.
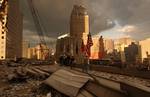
x,y
79,2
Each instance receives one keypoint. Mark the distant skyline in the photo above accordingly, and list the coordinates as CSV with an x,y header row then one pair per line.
x,y
111,18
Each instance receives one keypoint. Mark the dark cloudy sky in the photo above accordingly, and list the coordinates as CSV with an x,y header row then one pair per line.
x,y
111,18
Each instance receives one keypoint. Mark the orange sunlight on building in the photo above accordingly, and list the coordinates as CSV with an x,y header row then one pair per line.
x,y
95,48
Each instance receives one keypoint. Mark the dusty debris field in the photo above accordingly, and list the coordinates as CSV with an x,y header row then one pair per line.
x,y
15,81
26,80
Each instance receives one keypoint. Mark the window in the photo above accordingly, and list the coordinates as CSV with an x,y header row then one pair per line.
x,y
2,37
2,32
2,57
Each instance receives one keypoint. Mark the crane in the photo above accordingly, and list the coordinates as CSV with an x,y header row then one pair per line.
x,y
36,19
39,27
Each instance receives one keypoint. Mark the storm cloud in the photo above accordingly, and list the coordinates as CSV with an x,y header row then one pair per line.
x,y
133,16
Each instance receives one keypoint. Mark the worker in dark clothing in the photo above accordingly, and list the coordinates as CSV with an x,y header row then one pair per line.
x,y
86,64
64,59
71,61
61,60
67,60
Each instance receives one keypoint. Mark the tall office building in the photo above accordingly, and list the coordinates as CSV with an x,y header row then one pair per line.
x,y
32,53
25,47
120,45
63,45
109,45
11,32
145,48
79,30
40,52
79,23
131,53
126,41
101,48
97,50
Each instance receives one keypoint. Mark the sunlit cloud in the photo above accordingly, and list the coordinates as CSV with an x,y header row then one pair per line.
x,y
127,28
129,17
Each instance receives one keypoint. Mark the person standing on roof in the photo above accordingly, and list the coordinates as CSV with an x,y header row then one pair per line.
x,y
71,61
86,64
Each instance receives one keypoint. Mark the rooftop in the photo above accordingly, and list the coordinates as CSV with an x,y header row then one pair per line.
x,y
79,10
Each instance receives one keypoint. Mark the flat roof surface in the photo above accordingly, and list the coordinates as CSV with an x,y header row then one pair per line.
x,y
67,82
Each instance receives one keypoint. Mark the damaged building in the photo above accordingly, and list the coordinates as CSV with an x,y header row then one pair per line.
x,y
11,26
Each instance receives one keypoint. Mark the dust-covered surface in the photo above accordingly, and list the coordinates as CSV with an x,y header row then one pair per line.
x,y
16,81
26,79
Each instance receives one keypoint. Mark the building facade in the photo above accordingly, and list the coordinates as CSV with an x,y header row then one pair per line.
x,y
95,48
79,30
12,26
63,45
131,53
120,45
101,48
109,45
32,53
145,48
25,46
98,49
40,52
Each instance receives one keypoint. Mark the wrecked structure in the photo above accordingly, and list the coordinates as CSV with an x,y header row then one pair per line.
x,y
70,83
24,80
11,26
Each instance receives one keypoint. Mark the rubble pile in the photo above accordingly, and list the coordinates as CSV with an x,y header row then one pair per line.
x,y
22,80
118,77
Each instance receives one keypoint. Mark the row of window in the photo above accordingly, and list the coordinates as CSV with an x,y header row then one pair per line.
x,y
2,46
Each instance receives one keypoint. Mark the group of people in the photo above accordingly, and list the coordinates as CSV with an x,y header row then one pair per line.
x,y
86,64
66,60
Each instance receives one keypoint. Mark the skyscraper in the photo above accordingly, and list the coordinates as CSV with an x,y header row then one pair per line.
x,y
79,29
109,45
11,34
131,53
25,46
95,48
79,23
101,48
120,45
145,47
